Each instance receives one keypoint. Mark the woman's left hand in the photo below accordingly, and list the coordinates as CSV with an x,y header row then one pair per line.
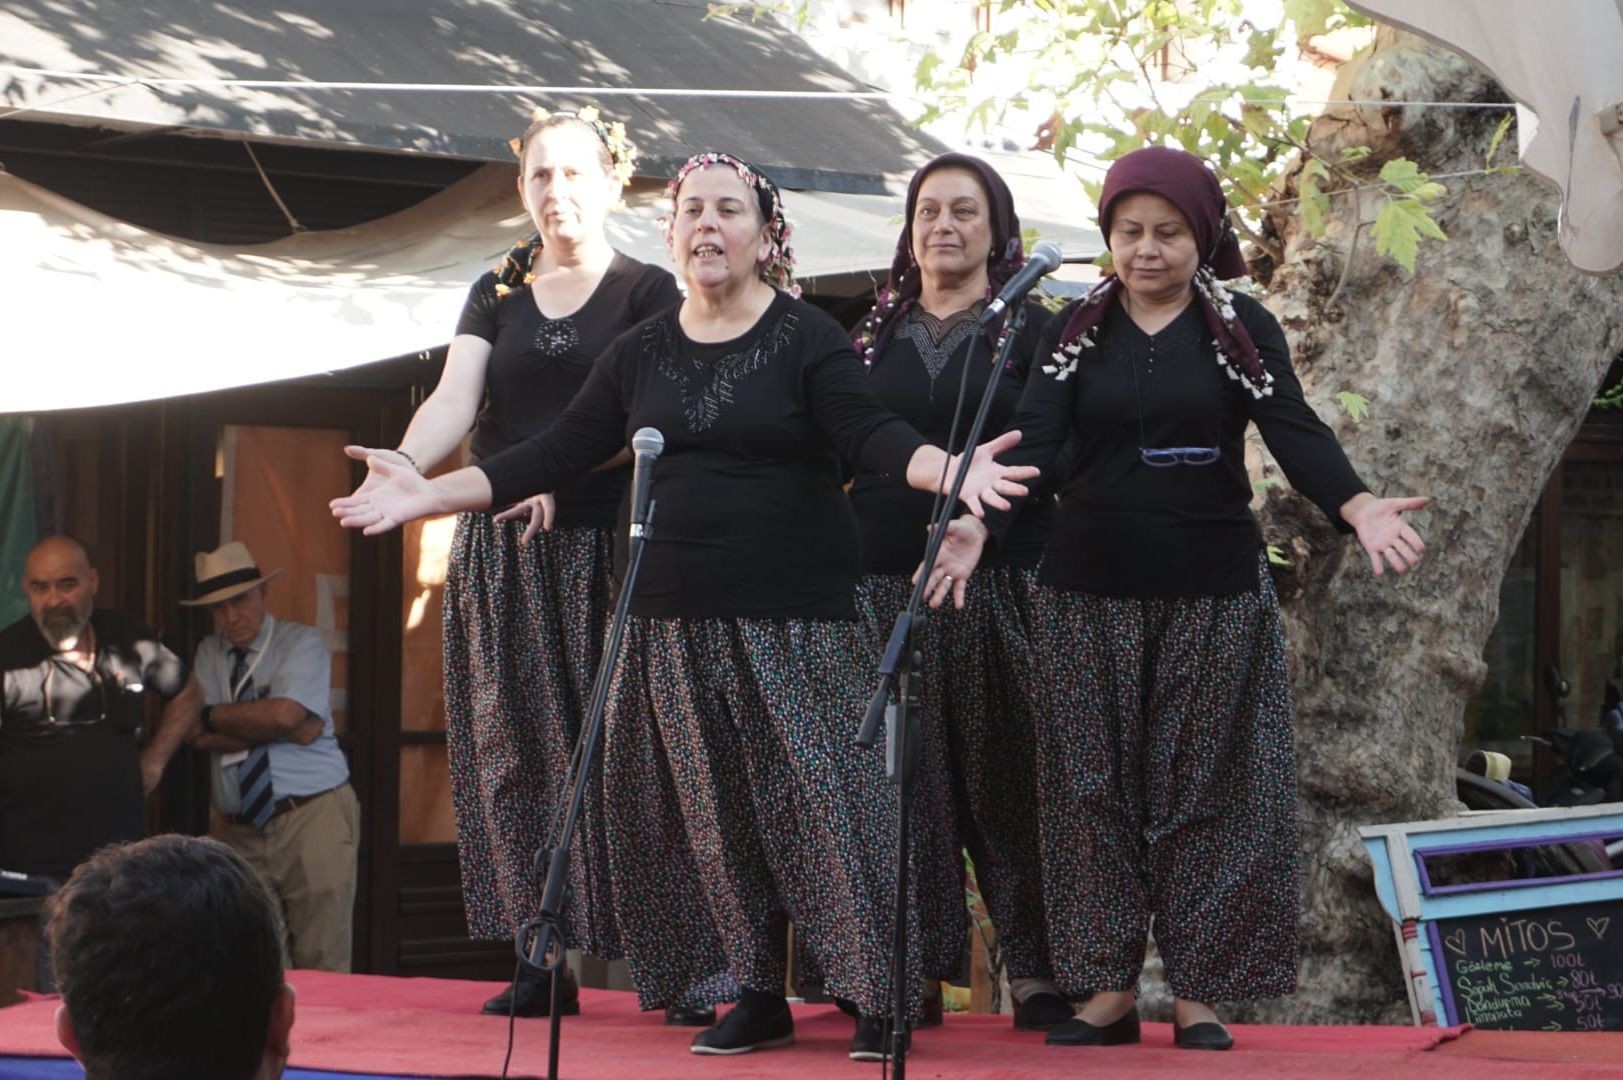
x,y
538,512
1385,536
987,481
959,555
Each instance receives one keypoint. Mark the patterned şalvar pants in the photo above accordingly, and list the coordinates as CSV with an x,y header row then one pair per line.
x,y
1167,779
739,798
524,628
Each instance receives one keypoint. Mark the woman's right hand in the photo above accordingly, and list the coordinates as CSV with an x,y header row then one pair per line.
x,y
373,480
540,509
401,494
959,555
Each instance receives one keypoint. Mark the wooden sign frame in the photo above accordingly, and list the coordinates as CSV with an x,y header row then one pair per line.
x,y
1416,905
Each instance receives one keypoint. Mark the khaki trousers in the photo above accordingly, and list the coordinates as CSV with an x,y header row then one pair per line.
x,y
308,858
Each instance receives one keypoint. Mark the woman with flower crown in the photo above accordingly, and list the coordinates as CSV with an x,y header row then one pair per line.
x,y
738,796
1165,774
526,604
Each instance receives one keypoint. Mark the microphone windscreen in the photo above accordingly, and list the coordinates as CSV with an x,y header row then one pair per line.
x,y
648,441
1048,254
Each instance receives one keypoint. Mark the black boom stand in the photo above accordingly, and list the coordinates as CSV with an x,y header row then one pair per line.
x,y
540,942
896,668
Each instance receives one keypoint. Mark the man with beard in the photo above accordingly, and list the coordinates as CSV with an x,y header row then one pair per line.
x,y
72,774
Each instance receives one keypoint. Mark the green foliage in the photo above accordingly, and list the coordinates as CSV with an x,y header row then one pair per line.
x,y
1311,17
1095,67
1357,405
1276,555
1611,397
1399,227
1314,204
1499,137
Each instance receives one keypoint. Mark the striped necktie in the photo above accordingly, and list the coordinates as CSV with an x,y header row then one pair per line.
x,y
258,800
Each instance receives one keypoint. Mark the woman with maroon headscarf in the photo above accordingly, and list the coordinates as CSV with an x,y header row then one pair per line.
x,y
924,347
1165,771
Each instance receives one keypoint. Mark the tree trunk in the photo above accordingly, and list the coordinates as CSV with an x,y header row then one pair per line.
x,y
1479,367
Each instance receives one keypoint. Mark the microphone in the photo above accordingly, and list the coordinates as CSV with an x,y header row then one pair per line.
x,y
646,446
1044,260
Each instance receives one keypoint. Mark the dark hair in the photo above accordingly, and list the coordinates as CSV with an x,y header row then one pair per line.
x,y
168,955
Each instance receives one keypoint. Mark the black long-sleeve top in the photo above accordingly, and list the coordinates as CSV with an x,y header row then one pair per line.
x,y
1125,528
918,377
538,363
751,520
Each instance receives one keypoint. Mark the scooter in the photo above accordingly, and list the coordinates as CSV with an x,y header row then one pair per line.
x,y
1590,769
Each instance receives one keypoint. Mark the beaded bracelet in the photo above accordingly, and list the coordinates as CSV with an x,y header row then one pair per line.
x,y
410,461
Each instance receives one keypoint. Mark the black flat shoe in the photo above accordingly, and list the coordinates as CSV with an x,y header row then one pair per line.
x,y
533,997
1119,1032
1206,1035
744,1029
690,1016
1040,1012
869,1043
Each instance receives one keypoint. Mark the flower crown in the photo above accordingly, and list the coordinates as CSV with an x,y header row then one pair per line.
x,y
779,268
622,152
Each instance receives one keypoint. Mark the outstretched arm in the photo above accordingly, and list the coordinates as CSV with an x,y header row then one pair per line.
x,y
1385,536
403,495
987,482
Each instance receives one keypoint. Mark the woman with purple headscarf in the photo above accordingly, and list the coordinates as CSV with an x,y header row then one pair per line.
x,y
924,345
1165,766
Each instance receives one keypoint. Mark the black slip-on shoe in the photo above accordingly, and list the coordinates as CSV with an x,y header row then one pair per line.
x,y
869,1042
743,1030
533,997
1206,1035
1074,1032
1040,1012
690,1016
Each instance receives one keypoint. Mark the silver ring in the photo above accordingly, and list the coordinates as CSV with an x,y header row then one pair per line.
x,y
947,580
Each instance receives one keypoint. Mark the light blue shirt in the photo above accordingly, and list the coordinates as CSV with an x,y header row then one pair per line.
x,y
292,663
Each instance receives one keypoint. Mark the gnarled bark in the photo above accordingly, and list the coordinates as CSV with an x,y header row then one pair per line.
x,y
1479,368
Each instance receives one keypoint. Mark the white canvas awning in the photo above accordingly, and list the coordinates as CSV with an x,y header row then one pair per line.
x,y
100,312
1563,63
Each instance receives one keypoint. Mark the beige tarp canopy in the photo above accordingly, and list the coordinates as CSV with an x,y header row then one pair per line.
x,y
99,312
1563,63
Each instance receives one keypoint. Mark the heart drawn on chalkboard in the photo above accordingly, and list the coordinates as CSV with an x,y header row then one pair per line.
x,y
1456,941
1598,926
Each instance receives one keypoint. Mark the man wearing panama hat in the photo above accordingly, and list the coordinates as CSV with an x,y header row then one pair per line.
x,y
277,772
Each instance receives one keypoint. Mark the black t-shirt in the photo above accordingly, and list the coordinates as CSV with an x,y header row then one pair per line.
x,y
70,776
1129,529
537,364
918,376
751,520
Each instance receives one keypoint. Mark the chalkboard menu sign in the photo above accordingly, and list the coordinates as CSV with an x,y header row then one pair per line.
x,y
1543,969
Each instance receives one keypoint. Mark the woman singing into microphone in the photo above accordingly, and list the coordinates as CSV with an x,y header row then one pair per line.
x,y
738,795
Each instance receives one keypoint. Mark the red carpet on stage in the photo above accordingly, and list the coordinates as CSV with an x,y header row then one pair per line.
x,y
430,1027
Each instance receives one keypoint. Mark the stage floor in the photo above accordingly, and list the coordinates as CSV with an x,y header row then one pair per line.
x,y
375,1026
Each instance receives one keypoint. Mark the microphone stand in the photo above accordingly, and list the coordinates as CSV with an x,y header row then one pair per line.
x,y
896,668
540,941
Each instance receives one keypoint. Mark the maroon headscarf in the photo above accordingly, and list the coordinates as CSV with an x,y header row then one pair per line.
x,y
902,289
1184,181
